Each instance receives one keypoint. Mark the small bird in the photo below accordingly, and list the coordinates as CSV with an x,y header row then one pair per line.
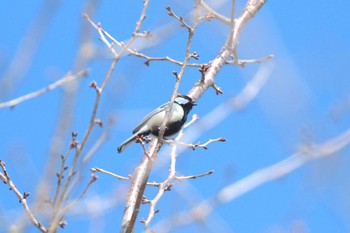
x,y
151,123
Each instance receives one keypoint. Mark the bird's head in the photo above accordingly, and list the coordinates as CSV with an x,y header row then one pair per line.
x,y
185,101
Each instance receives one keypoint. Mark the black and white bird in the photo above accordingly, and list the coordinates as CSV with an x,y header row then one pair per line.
x,y
151,123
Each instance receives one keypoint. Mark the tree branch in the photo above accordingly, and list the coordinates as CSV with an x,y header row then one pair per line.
x,y
233,191
61,82
5,177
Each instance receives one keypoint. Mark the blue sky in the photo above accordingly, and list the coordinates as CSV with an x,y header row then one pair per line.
x,y
306,98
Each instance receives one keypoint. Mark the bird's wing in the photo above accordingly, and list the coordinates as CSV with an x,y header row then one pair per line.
x,y
151,114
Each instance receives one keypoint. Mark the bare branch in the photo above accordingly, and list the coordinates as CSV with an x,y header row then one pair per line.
x,y
179,18
140,177
63,168
66,108
140,140
95,147
27,47
228,49
231,192
181,178
93,178
284,167
195,93
242,63
67,78
194,146
96,169
166,118
5,177
213,12
166,185
119,177
217,90
153,203
69,182
103,35
194,119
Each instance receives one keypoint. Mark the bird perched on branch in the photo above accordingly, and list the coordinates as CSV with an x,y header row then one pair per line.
x,y
152,122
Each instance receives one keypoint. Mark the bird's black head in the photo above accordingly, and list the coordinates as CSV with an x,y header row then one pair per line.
x,y
185,101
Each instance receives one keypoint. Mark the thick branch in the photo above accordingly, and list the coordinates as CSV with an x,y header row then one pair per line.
x,y
249,11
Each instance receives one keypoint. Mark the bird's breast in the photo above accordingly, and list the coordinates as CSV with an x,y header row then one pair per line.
x,y
174,123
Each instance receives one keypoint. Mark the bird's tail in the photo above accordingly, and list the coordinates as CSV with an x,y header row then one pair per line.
x,y
126,143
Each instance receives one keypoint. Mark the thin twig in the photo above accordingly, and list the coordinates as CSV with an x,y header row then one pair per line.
x,y
140,140
181,178
119,177
242,63
249,11
168,59
96,169
204,84
61,82
68,181
194,119
141,173
153,204
166,186
95,147
5,177
178,76
60,175
130,213
104,35
28,46
88,131
217,15
93,178
260,177
161,191
179,18
84,53
217,89
197,145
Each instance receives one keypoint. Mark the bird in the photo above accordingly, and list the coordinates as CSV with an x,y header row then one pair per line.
x,y
151,123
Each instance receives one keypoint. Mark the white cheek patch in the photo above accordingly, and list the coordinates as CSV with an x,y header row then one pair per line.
x,y
177,113
180,100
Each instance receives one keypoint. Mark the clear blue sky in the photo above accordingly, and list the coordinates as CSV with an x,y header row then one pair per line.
x,y
307,96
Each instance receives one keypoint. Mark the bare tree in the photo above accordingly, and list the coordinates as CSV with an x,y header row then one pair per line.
x,y
58,197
